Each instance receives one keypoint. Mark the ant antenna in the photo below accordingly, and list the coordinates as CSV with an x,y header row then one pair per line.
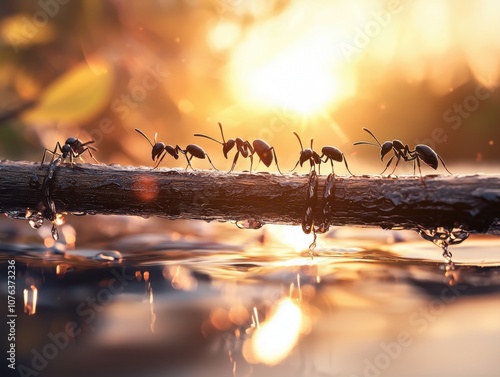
x,y
366,142
211,138
142,133
301,147
222,133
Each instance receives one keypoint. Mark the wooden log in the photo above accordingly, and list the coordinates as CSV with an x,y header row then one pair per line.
x,y
468,201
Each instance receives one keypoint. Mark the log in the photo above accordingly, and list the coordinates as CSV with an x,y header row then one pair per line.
x,y
471,202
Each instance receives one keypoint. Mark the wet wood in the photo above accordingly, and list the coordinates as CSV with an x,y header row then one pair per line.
x,y
472,201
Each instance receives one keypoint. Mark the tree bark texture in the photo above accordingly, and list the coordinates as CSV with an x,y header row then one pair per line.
x,y
471,202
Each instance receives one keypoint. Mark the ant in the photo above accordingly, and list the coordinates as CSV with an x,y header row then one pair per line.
x,y
246,149
72,148
331,153
402,151
160,150
307,154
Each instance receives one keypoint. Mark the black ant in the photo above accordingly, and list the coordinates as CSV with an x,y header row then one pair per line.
x,y
307,154
246,149
160,150
402,151
334,154
331,153
72,148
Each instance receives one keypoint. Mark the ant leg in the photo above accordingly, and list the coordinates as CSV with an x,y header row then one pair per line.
x,y
347,166
251,162
189,161
234,161
52,152
90,153
395,166
333,169
276,160
71,158
209,160
419,170
160,160
388,163
45,153
444,164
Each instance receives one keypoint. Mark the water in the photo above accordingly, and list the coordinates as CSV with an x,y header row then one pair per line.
x,y
120,296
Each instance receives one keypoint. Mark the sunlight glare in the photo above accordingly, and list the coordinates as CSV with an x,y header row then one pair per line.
x,y
276,337
300,69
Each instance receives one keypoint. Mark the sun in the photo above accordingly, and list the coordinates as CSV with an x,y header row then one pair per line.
x,y
295,68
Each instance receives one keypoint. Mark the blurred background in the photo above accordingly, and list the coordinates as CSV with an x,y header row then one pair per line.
x,y
152,297
420,71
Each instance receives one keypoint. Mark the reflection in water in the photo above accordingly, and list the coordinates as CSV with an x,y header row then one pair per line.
x,y
30,298
275,338
237,303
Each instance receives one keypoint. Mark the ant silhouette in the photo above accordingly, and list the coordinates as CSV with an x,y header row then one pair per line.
x,y
421,152
329,152
243,147
72,148
307,154
160,150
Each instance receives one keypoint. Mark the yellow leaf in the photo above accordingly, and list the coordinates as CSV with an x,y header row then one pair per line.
x,y
76,97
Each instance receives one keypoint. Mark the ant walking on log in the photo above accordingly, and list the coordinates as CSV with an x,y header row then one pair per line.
x,y
243,147
329,152
160,150
421,152
72,148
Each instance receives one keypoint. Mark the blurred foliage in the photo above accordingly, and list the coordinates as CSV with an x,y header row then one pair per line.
x,y
99,69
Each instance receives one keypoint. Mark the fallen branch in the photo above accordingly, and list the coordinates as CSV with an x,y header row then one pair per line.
x,y
472,202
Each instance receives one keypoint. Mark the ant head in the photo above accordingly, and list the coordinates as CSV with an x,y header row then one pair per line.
x,y
228,146
158,148
306,155
385,148
66,150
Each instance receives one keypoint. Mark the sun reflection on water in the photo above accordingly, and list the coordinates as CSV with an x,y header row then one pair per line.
x,y
275,338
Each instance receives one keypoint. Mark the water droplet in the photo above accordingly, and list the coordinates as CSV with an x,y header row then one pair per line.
x,y
109,256
249,224
312,246
311,198
36,221
307,221
444,237
16,215
55,233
